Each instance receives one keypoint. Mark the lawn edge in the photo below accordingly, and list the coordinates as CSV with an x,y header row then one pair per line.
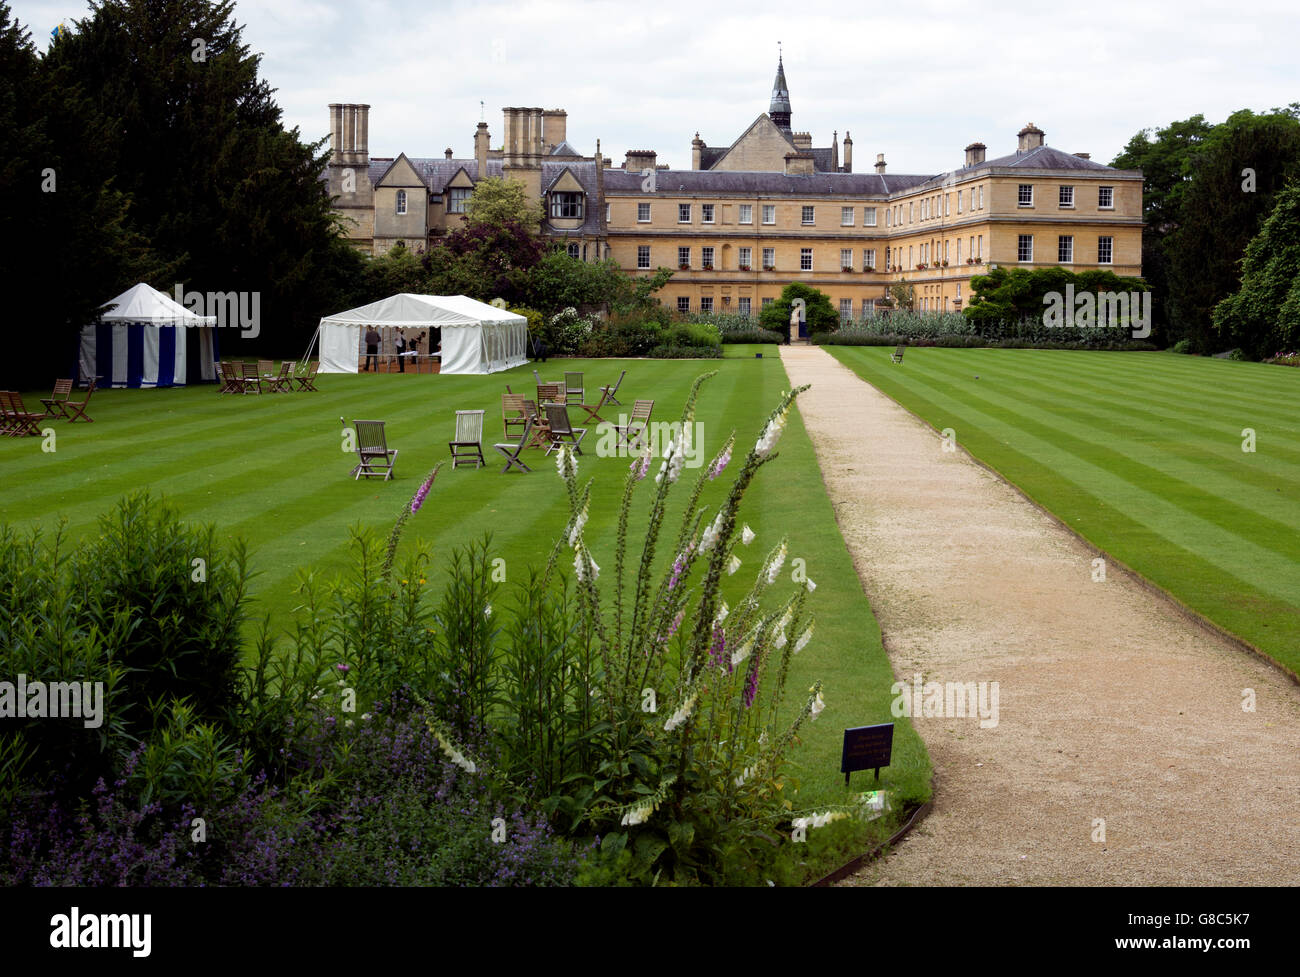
x,y
1189,613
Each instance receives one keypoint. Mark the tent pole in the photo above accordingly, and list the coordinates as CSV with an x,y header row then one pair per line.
x,y
312,345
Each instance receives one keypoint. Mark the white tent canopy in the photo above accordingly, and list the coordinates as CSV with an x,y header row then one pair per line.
x,y
476,337
142,341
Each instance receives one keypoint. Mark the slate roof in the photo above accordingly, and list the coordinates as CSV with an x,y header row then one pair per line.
x,y
565,149
741,182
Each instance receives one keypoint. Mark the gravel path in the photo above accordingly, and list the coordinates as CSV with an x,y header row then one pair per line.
x,y
1112,706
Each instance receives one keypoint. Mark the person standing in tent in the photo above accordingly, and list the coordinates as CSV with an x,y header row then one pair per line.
x,y
400,345
372,348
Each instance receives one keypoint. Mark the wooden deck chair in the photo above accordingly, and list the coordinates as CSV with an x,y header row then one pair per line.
x,y
512,412
562,432
610,391
552,393
283,382
252,378
540,430
19,421
537,378
266,370
467,445
232,379
511,449
76,409
632,434
307,380
573,389
7,411
897,355
373,454
593,410
56,403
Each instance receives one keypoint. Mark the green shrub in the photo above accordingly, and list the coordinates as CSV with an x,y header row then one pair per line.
x,y
686,353
1183,346
754,335
693,334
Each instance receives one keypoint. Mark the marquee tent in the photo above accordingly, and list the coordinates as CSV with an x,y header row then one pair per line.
x,y
148,340
476,337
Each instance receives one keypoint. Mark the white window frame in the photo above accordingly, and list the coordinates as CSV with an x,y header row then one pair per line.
x,y
1106,193
1065,197
846,258
643,256
706,214
769,213
401,201
744,305
847,215
643,208
706,255
683,303
745,256
706,307
1021,194
1065,249
1109,250
562,200
846,314
572,250
805,259
868,216
808,214
683,252
766,262
1020,248
868,258
457,198
683,211
981,197
746,214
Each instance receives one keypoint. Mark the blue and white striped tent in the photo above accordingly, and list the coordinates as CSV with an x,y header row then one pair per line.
x,y
148,340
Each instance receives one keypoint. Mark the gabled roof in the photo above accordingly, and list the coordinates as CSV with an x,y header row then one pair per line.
x,y
565,148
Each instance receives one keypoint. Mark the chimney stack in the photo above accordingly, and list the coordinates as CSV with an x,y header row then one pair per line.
x,y
697,152
975,153
1031,137
363,135
848,152
835,151
555,124
880,163
1084,155
640,159
481,140
336,133
349,133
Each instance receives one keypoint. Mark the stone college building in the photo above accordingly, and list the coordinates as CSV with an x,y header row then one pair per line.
x,y
768,209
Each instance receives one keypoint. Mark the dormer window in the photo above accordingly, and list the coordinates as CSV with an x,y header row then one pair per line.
x,y
401,201
566,205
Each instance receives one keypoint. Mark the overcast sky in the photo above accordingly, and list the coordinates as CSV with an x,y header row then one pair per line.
x,y
915,81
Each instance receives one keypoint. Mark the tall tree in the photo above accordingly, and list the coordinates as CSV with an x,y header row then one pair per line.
x,y
65,240
1237,174
218,184
1165,158
1263,317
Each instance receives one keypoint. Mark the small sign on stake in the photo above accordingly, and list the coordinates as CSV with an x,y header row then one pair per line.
x,y
866,747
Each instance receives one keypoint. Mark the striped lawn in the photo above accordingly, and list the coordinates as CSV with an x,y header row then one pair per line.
x,y
1142,454
271,469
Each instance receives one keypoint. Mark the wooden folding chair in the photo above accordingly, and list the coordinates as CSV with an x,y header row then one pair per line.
x,y
573,389
266,370
56,404
76,409
468,443
252,378
510,450
232,380
283,381
610,391
897,355
552,393
541,432
307,381
561,430
593,410
19,421
512,412
631,434
373,454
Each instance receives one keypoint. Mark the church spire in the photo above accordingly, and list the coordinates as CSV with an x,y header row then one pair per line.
x,y
779,109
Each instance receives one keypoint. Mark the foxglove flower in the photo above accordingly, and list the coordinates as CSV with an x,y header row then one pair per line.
x,y
811,586
682,714
720,464
803,639
733,565
747,535
710,536
576,532
817,706
778,561
771,434
723,611
718,649
422,492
